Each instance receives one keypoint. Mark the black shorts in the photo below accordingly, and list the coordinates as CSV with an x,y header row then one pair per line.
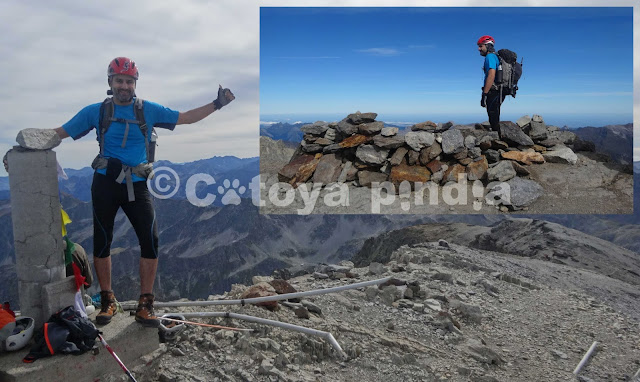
x,y
107,197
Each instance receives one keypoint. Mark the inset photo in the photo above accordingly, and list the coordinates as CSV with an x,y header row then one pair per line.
x,y
418,110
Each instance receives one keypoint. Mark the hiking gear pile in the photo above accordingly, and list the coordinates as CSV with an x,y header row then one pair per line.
x,y
65,332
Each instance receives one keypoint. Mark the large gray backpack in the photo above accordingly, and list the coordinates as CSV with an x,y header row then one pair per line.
x,y
508,73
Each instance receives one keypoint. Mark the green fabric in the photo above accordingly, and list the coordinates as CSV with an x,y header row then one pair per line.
x,y
68,258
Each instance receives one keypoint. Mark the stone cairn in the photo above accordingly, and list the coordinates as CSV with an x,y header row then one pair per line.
x,y
361,150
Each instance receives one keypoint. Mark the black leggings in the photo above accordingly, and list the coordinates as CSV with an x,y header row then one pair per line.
x,y
493,108
107,197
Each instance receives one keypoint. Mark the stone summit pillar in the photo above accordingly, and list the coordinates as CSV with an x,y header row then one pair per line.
x,y
37,227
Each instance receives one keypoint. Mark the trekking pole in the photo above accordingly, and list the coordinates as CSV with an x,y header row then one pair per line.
x,y
207,325
106,345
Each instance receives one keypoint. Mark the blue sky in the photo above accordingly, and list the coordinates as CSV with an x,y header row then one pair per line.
x,y
422,63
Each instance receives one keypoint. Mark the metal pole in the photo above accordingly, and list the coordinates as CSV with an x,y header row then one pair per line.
x,y
585,358
124,368
262,299
206,325
326,335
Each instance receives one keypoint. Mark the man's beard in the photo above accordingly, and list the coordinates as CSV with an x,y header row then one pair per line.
x,y
124,96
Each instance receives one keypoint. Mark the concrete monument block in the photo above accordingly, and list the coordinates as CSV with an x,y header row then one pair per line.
x,y
37,225
58,295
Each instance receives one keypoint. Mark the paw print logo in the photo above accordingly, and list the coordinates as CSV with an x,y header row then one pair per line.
x,y
231,192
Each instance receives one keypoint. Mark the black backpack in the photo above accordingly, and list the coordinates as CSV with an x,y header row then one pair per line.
x,y
66,332
508,73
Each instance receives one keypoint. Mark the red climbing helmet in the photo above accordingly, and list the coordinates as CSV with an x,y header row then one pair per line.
x,y
486,40
122,65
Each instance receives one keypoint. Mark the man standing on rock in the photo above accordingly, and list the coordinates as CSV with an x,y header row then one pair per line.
x,y
121,171
491,97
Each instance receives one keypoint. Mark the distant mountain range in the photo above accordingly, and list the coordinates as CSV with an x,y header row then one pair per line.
x,y
614,140
206,249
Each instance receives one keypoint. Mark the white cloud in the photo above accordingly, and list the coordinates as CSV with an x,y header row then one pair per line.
x,y
585,94
55,57
309,57
380,51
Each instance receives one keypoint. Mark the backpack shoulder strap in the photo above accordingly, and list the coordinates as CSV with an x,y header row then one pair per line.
x,y
106,116
138,109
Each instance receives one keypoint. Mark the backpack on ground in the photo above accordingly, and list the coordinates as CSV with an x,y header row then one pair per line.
x,y
508,73
107,109
66,332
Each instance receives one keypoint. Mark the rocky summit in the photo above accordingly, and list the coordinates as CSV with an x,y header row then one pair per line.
x,y
430,152
446,313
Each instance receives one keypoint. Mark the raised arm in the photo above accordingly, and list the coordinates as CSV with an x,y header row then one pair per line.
x,y
195,115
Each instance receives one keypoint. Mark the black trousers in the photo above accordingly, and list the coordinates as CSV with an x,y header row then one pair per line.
x,y
107,197
493,108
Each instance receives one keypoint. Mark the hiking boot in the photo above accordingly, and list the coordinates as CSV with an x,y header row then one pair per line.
x,y
144,313
109,308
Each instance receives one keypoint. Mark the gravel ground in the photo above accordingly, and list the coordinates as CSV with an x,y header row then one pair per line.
x,y
455,314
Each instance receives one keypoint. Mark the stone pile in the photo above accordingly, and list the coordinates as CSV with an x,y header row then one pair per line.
x,y
361,150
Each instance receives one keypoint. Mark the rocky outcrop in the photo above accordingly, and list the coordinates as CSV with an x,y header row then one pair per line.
x,y
446,312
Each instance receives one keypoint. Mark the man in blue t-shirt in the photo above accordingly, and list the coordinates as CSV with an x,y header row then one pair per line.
x,y
491,97
119,181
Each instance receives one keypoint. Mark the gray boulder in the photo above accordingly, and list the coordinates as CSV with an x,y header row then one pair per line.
x,y
560,154
538,131
452,141
328,169
317,128
371,154
366,178
397,156
428,154
501,172
470,142
513,134
419,139
493,156
389,131
370,128
523,121
523,192
38,139
346,128
388,142
330,134
358,118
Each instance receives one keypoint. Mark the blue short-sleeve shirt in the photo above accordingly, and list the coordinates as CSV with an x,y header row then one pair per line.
x,y
491,61
134,151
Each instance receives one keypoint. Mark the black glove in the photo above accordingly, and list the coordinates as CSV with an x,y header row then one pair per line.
x,y
224,97
483,100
